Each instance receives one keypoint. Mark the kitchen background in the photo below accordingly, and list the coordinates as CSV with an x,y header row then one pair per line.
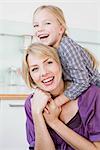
x,y
83,18
16,30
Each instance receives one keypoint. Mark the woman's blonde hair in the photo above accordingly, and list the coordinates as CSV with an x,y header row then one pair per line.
x,y
41,50
55,11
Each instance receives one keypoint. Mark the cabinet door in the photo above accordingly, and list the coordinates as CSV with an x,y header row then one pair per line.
x,y
12,125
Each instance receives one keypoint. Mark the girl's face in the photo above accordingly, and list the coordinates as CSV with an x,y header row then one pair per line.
x,y
46,72
47,29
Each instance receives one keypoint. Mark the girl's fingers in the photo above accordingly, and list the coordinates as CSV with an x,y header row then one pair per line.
x,y
47,106
46,110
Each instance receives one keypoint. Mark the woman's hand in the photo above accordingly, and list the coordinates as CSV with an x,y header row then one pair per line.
x,y
39,100
53,114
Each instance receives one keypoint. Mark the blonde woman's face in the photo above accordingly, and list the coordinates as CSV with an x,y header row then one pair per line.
x,y
46,28
45,72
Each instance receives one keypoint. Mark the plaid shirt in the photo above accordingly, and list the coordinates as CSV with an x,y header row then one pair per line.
x,y
77,68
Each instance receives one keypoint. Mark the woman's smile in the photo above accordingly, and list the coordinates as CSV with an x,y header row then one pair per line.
x,y
48,81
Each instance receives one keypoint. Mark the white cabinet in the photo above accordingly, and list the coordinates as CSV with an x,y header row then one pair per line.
x,y
12,125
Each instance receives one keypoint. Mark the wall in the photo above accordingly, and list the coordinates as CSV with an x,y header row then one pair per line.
x,y
82,14
16,21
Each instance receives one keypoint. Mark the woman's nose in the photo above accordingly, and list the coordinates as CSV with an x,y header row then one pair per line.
x,y
43,71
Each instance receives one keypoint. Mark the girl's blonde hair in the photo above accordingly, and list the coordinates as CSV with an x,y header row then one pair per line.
x,y
40,50
92,57
55,11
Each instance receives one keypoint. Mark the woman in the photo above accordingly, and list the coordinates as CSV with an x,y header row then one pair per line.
x,y
75,125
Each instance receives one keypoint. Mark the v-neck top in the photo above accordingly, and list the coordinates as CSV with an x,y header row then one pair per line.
x,y
86,122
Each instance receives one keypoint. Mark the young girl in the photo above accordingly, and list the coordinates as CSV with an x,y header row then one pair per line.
x,y
78,67
75,125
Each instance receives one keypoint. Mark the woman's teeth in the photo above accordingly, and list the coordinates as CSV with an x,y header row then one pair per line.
x,y
48,80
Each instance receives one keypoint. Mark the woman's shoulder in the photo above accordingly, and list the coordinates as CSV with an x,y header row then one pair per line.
x,y
89,99
28,101
92,91
89,110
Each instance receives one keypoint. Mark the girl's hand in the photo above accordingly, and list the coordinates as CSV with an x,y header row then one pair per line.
x,y
39,100
61,100
53,114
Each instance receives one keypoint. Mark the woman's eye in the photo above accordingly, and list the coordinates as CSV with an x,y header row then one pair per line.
x,y
34,69
50,62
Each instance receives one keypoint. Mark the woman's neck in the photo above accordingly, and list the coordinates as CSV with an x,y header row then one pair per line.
x,y
59,90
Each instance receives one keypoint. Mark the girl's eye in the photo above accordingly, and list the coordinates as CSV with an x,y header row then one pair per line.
x,y
48,23
35,25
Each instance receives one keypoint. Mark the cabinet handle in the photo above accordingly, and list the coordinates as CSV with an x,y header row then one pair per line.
x,y
16,105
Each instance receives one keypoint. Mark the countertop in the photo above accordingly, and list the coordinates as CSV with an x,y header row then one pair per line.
x,y
13,96
8,92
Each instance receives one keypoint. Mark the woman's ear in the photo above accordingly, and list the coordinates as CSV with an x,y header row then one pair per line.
x,y
34,86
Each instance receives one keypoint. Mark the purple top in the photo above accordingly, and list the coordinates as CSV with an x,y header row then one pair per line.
x,y
86,122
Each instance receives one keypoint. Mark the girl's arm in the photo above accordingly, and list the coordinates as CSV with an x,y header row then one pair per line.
x,y
74,67
61,100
